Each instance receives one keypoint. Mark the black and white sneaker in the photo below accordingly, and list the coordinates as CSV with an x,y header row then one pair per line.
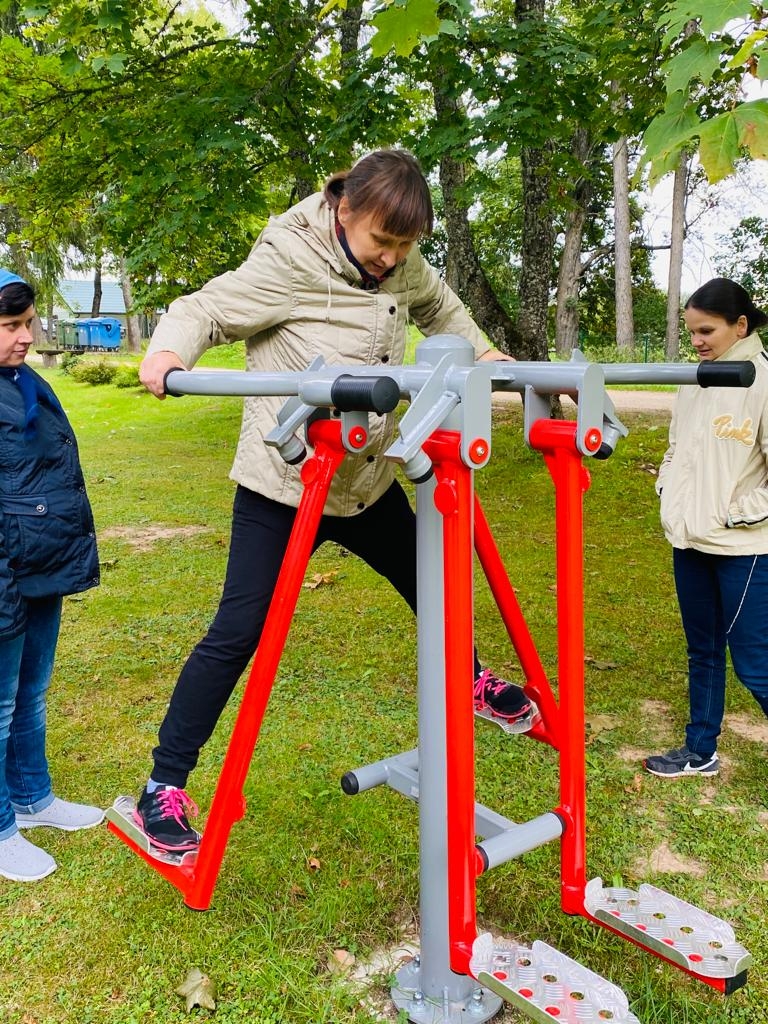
x,y
678,763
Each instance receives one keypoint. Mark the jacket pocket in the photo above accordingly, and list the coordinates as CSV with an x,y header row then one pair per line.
x,y
24,518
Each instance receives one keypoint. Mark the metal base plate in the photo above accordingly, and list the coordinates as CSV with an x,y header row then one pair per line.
x,y
477,1006
121,816
687,936
546,985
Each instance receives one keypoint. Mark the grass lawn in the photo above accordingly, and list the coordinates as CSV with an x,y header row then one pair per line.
x,y
105,940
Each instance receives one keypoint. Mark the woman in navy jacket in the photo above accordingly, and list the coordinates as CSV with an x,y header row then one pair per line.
x,y
47,550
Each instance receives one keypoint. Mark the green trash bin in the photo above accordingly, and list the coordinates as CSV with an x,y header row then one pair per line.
x,y
66,334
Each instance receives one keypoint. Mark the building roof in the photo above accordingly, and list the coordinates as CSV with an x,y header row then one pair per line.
x,y
78,298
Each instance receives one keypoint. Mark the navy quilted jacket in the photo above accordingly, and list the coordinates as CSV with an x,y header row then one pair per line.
x,y
47,537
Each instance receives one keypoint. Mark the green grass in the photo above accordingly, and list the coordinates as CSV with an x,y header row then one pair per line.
x,y
105,940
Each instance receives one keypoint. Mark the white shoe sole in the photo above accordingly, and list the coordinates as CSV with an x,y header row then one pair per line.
x,y
709,773
21,823
27,878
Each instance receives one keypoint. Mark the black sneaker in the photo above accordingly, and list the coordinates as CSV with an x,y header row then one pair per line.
x,y
162,817
504,700
677,763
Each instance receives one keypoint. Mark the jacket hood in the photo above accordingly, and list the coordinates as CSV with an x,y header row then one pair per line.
x,y
315,223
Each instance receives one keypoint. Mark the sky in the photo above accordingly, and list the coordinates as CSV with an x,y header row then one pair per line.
x,y
712,212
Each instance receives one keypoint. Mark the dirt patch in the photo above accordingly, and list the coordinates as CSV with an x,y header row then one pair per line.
x,y
748,727
632,755
656,709
665,861
143,538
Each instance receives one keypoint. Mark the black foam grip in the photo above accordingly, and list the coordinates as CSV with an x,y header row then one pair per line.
x,y
173,394
737,374
364,394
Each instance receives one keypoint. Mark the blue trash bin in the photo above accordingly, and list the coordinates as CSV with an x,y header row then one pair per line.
x,y
108,328
83,333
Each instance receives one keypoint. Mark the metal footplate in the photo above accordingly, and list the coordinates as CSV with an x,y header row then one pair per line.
x,y
690,938
546,985
520,725
120,814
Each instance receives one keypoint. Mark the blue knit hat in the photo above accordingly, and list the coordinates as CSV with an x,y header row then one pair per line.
x,y
7,277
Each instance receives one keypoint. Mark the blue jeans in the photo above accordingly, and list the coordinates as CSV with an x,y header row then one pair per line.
x,y
723,603
26,664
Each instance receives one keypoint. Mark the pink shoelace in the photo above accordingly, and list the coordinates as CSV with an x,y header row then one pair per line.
x,y
175,802
486,683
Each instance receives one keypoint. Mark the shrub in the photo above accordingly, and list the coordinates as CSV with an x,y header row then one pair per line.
x,y
101,372
69,361
127,376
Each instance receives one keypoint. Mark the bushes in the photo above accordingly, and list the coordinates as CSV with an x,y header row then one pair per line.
x,y
87,371
127,376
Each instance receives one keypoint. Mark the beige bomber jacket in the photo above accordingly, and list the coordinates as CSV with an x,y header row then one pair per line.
x,y
298,296
713,480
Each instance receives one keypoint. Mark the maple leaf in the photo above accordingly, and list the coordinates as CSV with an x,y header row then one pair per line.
x,y
198,990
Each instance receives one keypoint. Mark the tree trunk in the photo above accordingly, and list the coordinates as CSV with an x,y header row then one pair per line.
x,y
537,252
463,271
96,304
538,236
625,328
132,329
570,269
677,237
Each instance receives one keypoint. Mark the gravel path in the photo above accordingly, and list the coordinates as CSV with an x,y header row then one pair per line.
x,y
624,401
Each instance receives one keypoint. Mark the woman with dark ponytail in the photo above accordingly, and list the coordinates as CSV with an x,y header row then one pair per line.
x,y
713,485
47,550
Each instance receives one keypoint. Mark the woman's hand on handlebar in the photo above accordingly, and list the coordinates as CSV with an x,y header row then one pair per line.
x,y
154,368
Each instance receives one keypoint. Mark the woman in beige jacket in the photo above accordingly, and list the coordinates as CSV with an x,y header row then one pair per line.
x,y
339,275
713,485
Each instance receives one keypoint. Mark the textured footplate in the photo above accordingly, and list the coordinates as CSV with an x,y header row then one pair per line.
x,y
121,816
524,724
691,938
546,985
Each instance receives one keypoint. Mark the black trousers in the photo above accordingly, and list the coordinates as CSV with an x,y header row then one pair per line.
x,y
383,535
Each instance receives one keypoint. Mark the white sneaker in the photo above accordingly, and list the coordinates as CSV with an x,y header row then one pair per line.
x,y
61,814
21,861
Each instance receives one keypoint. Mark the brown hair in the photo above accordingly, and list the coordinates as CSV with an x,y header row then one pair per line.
x,y
390,184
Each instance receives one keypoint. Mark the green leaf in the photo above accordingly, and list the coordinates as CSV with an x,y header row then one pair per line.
x,y
672,128
699,60
401,28
331,5
719,146
747,48
712,15
752,123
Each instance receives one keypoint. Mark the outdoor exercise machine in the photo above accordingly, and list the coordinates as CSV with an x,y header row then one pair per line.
x,y
442,439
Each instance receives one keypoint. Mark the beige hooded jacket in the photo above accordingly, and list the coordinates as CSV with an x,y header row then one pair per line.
x,y
713,481
297,296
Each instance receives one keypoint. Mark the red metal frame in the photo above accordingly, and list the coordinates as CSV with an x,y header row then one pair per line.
x,y
197,881
562,722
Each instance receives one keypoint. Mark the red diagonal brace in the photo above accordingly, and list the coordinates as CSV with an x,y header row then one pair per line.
x,y
197,881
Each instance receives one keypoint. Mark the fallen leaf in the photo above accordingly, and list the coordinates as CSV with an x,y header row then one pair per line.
x,y
341,961
198,990
601,666
313,864
601,723
636,784
320,579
